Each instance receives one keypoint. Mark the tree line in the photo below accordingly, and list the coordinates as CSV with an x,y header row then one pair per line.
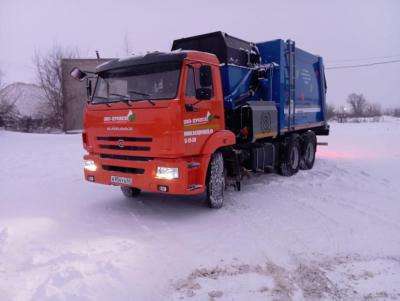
x,y
359,106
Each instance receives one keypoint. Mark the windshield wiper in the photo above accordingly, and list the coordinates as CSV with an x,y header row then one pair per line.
x,y
143,94
127,99
124,98
139,93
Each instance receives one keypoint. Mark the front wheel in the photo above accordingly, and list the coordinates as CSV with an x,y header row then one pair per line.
x,y
215,181
130,192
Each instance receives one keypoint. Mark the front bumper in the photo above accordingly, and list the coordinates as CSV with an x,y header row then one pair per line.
x,y
191,180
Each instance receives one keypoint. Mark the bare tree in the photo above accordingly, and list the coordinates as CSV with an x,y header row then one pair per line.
x,y
330,111
396,112
358,104
374,110
388,111
49,78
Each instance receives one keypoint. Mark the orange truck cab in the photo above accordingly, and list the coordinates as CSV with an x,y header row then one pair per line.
x,y
159,123
158,145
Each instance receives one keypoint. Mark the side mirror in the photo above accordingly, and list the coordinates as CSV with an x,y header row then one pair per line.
x,y
205,76
203,93
78,74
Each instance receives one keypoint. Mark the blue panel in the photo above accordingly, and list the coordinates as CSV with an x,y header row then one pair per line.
x,y
273,52
309,102
308,90
235,82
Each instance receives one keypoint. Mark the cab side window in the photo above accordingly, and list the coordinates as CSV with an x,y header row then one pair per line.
x,y
193,82
190,85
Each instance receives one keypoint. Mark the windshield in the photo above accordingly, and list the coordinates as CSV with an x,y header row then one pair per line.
x,y
134,83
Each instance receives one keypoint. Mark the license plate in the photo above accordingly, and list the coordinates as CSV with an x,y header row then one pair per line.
x,y
121,180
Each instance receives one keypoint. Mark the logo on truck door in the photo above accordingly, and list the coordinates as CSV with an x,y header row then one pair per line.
x,y
199,120
198,126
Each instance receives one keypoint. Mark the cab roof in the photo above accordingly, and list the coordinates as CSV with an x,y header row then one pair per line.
x,y
156,57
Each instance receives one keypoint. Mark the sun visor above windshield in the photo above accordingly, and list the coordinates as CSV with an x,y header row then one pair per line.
x,y
150,58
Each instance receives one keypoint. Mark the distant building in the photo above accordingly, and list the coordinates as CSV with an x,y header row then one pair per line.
x,y
74,92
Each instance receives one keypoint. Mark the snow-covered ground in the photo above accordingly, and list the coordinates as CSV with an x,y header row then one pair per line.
x,y
332,233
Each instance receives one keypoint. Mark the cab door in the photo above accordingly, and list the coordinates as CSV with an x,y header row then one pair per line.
x,y
202,109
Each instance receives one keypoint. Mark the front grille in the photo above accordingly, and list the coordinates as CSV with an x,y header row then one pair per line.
x,y
125,147
128,158
131,170
128,139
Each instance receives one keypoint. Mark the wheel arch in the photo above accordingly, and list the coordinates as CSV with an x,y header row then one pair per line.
x,y
216,142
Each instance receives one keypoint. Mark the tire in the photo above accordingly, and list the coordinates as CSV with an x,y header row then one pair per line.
x,y
308,151
290,162
215,181
130,192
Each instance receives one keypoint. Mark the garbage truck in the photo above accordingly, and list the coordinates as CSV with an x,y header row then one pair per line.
x,y
199,119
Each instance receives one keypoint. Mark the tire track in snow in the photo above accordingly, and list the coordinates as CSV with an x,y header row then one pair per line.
x,y
321,278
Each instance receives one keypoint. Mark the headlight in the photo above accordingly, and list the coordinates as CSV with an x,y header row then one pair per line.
x,y
167,173
90,165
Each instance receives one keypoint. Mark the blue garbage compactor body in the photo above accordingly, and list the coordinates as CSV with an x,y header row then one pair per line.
x,y
291,79
308,106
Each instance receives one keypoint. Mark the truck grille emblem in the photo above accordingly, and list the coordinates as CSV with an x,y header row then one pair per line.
x,y
121,143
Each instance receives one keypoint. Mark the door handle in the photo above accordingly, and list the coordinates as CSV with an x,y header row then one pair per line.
x,y
191,108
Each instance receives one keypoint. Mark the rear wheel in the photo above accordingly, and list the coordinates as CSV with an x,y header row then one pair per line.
x,y
130,192
290,161
216,181
308,151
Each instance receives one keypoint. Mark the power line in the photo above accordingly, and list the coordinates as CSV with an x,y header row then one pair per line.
x,y
365,59
363,65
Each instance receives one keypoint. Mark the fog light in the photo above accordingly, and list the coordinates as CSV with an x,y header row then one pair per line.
x,y
162,188
90,178
90,165
167,173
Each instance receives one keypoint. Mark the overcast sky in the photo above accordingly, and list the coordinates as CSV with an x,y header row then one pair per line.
x,y
343,32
